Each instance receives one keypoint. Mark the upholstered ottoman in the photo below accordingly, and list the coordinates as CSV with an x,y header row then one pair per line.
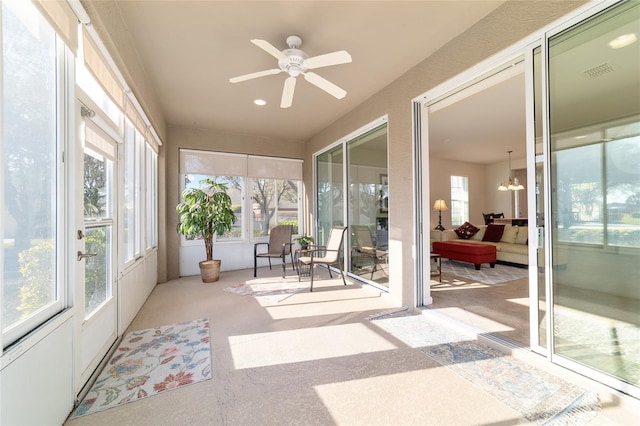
x,y
466,252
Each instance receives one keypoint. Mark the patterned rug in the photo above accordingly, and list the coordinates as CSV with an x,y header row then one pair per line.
x,y
486,275
540,397
272,290
151,361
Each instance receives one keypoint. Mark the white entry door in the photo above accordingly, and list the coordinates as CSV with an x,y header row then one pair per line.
x,y
96,301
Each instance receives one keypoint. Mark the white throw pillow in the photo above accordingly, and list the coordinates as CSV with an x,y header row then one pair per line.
x,y
509,235
523,235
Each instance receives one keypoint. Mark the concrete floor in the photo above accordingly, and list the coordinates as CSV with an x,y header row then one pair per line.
x,y
312,359
500,309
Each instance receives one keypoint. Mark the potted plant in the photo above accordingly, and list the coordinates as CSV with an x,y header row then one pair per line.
x,y
304,241
205,213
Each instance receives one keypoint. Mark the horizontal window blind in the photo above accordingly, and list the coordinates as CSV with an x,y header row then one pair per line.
x,y
274,168
225,164
99,141
63,20
136,119
212,163
100,70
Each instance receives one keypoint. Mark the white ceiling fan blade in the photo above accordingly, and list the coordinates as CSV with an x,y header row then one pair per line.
x,y
325,85
268,47
287,92
335,58
254,75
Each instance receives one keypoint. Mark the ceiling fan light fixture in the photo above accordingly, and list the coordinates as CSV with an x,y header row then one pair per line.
x,y
623,41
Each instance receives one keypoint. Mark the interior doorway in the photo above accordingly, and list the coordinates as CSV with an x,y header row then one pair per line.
x,y
478,130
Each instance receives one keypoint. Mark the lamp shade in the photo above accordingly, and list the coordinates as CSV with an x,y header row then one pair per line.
x,y
440,205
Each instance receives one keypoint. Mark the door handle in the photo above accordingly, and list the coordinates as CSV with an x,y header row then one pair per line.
x,y
82,255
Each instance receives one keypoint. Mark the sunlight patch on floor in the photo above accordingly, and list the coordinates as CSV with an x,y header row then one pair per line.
x,y
479,321
427,400
330,299
524,301
307,344
457,285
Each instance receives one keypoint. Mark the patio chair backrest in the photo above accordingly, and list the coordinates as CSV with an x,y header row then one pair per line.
x,y
362,238
279,235
334,242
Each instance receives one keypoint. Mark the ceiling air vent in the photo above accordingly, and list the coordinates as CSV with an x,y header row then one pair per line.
x,y
598,70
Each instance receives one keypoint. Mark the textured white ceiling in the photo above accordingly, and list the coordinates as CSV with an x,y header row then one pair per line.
x,y
190,49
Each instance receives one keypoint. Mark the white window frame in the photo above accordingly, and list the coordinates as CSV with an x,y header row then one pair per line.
x,y
64,90
459,200
247,168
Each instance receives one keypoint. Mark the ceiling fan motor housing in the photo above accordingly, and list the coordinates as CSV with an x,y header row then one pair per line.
x,y
294,64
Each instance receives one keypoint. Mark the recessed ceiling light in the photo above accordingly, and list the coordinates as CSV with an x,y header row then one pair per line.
x,y
622,41
260,102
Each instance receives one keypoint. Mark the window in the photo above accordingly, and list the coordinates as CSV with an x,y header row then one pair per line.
x,y
598,202
459,200
264,190
31,248
129,204
235,189
134,213
275,202
151,198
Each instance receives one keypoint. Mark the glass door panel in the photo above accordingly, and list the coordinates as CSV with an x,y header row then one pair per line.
x,y
96,251
539,318
330,192
98,227
594,82
97,268
369,206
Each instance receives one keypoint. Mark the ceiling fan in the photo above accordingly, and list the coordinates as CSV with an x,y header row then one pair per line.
x,y
294,62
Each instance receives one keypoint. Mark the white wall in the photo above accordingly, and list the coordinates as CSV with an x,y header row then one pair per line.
x,y
440,172
484,196
36,380
234,256
134,287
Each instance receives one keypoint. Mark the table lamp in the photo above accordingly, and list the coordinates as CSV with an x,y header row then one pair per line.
x,y
440,205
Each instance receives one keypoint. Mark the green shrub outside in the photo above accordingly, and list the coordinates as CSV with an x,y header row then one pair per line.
x,y
37,277
292,222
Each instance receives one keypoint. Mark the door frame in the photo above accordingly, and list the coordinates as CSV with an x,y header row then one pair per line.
x,y
421,179
86,369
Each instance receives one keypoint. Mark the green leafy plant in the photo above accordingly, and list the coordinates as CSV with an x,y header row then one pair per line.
x,y
205,212
37,277
305,240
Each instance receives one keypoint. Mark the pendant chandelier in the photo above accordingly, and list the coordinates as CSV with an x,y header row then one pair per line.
x,y
510,184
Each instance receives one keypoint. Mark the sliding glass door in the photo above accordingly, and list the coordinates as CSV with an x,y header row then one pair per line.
x,y
362,205
369,205
594,101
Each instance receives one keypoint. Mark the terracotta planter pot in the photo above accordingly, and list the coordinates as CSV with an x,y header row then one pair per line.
x,y
210,270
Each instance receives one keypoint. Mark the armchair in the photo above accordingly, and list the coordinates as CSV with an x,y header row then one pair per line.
x,y
328,255
279,245
363,247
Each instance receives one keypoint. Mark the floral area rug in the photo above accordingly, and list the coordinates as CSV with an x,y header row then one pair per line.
x,y
151,361
486,275
269,290
540,397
